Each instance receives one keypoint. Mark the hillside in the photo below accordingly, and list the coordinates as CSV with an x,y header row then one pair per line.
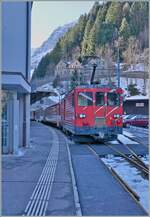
x,y
99,33
48,45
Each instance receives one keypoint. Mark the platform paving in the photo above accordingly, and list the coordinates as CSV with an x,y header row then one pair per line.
x,y
21,173
99,193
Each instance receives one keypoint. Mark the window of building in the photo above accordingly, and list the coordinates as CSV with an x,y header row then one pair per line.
x,y
113,99
100,99
139,104
85,99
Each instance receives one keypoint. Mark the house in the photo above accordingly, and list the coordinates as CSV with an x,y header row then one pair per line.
x,y
16,40
61,68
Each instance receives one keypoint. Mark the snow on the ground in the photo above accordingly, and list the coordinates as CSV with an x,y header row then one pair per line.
x,y
56,98
134,180
145,159
128,134
123,139
137,67
46,87
139,129
114,142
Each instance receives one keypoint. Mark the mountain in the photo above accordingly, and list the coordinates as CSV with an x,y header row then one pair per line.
x,y
99,32
48,45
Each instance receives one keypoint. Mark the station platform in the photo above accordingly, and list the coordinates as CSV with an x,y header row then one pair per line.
x,y
21,174
100,193
40,176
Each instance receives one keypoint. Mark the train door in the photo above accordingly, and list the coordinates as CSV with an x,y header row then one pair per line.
x,y
100,109
114,111
84,110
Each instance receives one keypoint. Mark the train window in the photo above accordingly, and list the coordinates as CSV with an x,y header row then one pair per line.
x,y
99,99
85,99
113,99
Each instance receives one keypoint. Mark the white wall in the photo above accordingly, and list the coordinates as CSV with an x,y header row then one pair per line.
x,y
14,36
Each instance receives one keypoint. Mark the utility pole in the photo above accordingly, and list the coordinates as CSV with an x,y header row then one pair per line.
x,y
118,67
118,58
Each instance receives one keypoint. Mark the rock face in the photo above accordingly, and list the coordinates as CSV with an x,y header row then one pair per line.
x,y
49,44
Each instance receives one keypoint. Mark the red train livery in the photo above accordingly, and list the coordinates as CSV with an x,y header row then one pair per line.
x,y
89,110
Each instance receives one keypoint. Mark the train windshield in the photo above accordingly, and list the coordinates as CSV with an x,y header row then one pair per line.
x,y
85,99
113,99
100,99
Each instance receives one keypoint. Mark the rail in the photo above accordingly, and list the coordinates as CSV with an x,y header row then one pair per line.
x,y
134,159
133,194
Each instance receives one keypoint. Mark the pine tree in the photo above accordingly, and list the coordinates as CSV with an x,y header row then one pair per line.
x,y
139,12
124,29
89,25
93,12
92,42
133,90
114,13
86,37
126,10
100,18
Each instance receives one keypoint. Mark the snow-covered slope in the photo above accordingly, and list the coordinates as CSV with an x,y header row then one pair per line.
x,y
49,44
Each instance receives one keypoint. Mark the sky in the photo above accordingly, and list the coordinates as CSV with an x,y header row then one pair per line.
x,y
48,15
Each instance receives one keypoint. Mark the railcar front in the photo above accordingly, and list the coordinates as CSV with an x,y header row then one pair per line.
x,y
98,112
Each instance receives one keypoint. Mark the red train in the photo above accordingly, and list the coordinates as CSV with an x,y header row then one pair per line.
x,y
89,110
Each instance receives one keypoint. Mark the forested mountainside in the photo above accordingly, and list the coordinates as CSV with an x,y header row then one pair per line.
x,y
99,33
49,44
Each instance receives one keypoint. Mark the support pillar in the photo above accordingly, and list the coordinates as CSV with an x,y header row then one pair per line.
x,y
15,126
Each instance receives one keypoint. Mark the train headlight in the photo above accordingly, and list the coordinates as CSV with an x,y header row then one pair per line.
x,y
82,115
116,116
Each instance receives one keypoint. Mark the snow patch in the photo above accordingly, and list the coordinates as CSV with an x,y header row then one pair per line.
x,y
123,139
134,180
130,135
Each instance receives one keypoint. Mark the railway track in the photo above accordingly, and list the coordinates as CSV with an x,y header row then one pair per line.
x,y
133,159
135,139
133,194
136,161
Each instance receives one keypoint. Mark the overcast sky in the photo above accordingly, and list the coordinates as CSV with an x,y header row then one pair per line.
x,y
47,16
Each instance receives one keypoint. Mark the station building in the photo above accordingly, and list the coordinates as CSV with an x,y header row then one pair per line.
x,y
136,105
15,93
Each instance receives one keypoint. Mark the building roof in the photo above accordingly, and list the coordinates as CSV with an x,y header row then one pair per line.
x,y
137,97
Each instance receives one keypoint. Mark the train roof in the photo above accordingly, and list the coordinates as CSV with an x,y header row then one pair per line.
x,y
98,86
